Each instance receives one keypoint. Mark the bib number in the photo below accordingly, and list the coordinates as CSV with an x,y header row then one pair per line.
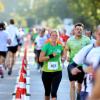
x,y
52,65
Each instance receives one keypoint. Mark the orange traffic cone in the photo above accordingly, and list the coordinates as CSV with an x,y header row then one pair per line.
x,y
18,94
23,69
25,56
22,78
22,83
25,53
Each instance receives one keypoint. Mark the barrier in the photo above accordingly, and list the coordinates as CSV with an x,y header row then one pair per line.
x,y
22,87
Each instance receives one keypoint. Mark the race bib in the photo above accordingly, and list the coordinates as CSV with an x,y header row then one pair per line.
x,y
52,65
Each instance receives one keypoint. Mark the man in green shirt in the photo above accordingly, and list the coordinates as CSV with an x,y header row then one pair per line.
x,y
74,44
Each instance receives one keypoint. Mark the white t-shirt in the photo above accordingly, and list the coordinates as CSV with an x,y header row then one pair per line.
x,y
13,31
3,41
40,42
92,40
93,57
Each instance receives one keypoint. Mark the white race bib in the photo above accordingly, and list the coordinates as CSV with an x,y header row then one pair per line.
x,y
52,65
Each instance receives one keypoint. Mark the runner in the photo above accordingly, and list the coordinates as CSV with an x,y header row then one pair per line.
x,y
14,35
51,70
34,34
39,42
64,37
89,57
89,34
74,44
20,41
3,47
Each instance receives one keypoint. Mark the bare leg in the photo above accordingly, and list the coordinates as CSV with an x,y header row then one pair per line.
x,y
79,85
72,90
1,66
13,59
47,97
10,65
54,98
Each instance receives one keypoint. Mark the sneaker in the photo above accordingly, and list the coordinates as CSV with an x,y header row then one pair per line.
x,y
2,76
10,72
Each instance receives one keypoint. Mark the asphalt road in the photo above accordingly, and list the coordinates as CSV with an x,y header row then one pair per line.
x,y
7,84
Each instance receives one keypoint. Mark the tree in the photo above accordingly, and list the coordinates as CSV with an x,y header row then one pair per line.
x,y
1,7
87,11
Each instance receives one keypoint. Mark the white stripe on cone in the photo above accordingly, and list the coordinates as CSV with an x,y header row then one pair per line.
x,y
21,85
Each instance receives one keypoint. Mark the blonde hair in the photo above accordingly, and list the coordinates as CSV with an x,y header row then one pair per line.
x,y
55,31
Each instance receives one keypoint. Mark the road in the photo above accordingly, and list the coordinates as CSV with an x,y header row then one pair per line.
x,y
7,84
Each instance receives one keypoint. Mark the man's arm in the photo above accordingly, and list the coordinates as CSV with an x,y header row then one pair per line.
x,y
96,89
66,52
73,68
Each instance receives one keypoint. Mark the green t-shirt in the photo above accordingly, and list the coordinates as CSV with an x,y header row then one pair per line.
x,y
34,36
75,45
53,64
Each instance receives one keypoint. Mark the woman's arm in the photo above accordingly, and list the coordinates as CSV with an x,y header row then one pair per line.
x,y
42,57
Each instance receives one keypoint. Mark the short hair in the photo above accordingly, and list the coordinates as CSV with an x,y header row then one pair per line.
x,y
12,21
88,30
2,26
79,24
43,30
54,31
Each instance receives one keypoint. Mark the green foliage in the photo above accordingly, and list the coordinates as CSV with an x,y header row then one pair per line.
x,y
52,22
50,8
1,7
86,11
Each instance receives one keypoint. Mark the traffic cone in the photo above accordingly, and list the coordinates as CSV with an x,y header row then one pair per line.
x,y
22,85
22,78
23,69
18,94
25,53
24,61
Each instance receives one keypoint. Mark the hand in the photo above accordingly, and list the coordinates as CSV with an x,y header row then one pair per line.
x,y
68,59
52,55
89,69
74,71
63,59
